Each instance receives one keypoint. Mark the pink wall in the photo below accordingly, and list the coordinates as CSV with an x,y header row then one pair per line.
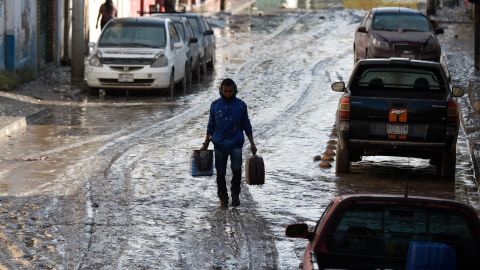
x,y
135,6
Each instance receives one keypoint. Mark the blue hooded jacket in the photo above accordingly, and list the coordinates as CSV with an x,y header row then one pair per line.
x,y
227,122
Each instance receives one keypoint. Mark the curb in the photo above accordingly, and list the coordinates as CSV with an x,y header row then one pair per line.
x,y
33,117
10,125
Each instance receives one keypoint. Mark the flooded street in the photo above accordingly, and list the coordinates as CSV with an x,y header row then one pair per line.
x,y
105,184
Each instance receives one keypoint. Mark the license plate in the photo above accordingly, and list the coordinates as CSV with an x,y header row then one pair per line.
x,y
397,129
411,56
125,77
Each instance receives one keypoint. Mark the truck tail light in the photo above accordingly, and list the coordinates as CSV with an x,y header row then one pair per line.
x,y
345,108
452,112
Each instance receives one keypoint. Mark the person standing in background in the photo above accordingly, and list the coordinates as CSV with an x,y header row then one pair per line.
x,y
108,11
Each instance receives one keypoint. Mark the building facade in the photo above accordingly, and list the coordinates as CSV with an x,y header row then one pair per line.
x,y
31,33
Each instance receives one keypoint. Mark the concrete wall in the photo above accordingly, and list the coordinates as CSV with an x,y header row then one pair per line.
x,y
2,34
20,34
60,23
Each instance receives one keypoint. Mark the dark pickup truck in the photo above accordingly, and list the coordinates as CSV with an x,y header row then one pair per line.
x,y
398,107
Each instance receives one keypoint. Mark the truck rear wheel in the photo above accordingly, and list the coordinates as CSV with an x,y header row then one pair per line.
x,y
342,165
448,163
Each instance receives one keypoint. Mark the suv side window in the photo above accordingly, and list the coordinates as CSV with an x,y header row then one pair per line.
x,y
174,37
197,29
206,24
181,30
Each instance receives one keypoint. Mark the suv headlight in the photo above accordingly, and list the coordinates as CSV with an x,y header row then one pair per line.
x,y
381,44
95,61
431,45
161,61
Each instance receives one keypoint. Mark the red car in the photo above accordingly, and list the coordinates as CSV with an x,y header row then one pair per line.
x,y
375,231
396,32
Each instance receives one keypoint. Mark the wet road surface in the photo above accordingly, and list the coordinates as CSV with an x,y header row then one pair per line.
x,y
107,185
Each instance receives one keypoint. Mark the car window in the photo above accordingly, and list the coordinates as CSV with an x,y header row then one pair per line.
x,y
388,230
398,21
195,23
180,29
173,33
189,29
417,81
206,24
133,35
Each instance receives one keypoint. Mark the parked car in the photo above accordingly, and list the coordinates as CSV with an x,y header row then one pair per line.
x,y
366,231
134,53
204,33
398,107
396,32
185,30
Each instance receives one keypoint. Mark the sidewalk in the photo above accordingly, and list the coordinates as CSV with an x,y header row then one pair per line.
x,y
29,102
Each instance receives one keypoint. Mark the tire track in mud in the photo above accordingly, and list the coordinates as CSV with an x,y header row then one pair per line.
x,y
144,134
237,221
121,145
129,140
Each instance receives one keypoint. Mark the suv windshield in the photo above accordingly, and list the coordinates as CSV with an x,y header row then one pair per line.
x,y
405,22
128,34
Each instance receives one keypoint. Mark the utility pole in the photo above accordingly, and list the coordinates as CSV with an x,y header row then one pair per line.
x,y
78,41
476,20
431,7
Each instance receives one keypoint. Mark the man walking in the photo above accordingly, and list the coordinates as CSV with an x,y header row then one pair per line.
x,y
226,124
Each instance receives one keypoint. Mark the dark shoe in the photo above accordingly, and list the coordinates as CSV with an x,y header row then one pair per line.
x,y
223,203
235,201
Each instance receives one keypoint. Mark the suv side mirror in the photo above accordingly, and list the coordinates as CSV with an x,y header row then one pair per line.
x,y
299,230
208,32
457,91
91,44
338,86
362,29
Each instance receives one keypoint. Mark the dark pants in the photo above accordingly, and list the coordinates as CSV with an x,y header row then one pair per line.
x,y
221,166
103,23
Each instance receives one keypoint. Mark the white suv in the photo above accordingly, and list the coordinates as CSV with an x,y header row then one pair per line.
x,y
138,53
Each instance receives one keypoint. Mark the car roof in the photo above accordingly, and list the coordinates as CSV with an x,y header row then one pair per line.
x,y
178,14
141,19
170,16
395,10
433,201
396,60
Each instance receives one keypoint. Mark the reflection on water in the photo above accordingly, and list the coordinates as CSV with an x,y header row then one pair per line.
x,y
321,4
